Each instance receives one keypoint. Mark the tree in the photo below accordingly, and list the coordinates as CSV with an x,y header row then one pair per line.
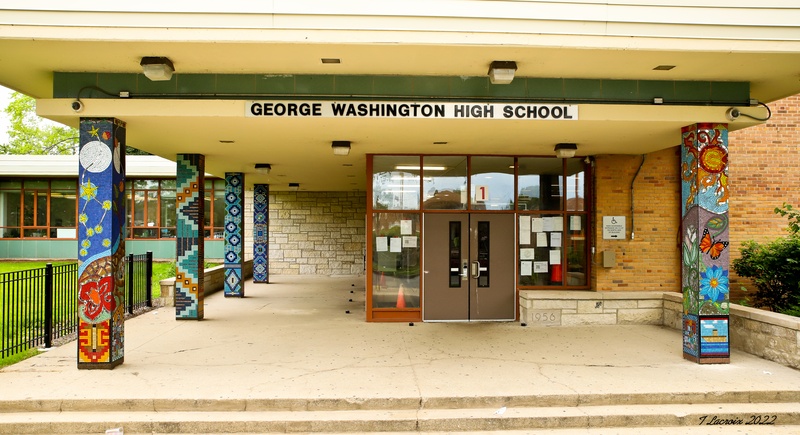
x,y
30,134
794,218
774,267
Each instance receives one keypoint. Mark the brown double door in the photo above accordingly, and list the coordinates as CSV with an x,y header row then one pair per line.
x,y
468,267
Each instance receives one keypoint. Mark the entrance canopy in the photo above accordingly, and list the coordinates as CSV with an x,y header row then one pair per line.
x,y
635,74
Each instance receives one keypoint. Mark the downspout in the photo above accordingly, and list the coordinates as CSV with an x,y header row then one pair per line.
x,y
644,156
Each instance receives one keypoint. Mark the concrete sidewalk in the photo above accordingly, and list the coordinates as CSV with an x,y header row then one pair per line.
x,y
291,345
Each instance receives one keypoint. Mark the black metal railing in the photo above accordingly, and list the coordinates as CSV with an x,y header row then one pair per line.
x,y
139,292
39,306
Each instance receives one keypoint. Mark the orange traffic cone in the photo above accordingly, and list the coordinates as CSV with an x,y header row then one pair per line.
x,y
401,298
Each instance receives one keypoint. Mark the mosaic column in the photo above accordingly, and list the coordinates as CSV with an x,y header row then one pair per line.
x,y
101,243
234,234
706,260
261,233
189,257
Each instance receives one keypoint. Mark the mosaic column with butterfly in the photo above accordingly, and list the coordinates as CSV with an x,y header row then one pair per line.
x,y
705,257
101,243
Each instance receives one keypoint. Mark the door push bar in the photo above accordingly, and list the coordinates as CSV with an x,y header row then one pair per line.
x,y
476,269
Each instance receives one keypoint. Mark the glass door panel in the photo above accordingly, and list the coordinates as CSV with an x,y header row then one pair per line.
x,y
396,260
576,250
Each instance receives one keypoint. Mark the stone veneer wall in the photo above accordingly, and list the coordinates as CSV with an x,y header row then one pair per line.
x,y
316,233
772,336
569,308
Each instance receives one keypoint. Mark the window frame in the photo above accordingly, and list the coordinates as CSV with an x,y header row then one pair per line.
x,y
32,195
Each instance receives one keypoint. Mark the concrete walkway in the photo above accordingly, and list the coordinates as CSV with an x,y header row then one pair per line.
x,y
291,345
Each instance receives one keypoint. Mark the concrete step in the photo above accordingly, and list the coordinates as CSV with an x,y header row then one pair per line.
x,y
671,430
733,416
383,403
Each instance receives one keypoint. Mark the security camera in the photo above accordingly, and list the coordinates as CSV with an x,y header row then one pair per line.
x,y
77,106
732,114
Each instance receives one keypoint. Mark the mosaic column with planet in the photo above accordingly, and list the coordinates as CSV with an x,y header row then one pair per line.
x,y
101,243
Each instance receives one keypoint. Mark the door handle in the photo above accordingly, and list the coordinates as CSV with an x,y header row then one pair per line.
x,y
476,269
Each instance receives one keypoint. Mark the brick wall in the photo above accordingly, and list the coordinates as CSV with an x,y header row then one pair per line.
x,y
651,261
316,233
764,170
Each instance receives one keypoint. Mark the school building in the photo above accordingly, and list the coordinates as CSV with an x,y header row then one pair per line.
x,y
466,157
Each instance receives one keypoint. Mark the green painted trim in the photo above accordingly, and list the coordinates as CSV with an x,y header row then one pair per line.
x,y
262,86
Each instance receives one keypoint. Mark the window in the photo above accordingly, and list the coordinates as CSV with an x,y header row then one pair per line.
x,y
492,180
63,209
38,209
49,208
552,220
396,183
150,202
153,213
215,209
548,196
445,182
11,209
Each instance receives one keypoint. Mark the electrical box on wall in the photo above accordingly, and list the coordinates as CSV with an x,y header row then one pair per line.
x,y
609,258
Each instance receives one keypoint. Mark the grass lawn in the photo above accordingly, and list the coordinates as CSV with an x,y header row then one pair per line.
x,y
13,359
13,266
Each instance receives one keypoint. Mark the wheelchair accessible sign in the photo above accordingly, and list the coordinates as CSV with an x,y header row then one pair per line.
x,y
614,227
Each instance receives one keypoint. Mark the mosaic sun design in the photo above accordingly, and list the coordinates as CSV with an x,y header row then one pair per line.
x,y
707,149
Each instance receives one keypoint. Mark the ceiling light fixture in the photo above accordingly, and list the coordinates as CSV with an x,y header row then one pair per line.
x,y
331,60
566,150
294,186
340,147
501,72
157,69
663,67
263,168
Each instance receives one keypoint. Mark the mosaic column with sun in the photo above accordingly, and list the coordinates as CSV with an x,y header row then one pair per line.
x,y
101,243
705,257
